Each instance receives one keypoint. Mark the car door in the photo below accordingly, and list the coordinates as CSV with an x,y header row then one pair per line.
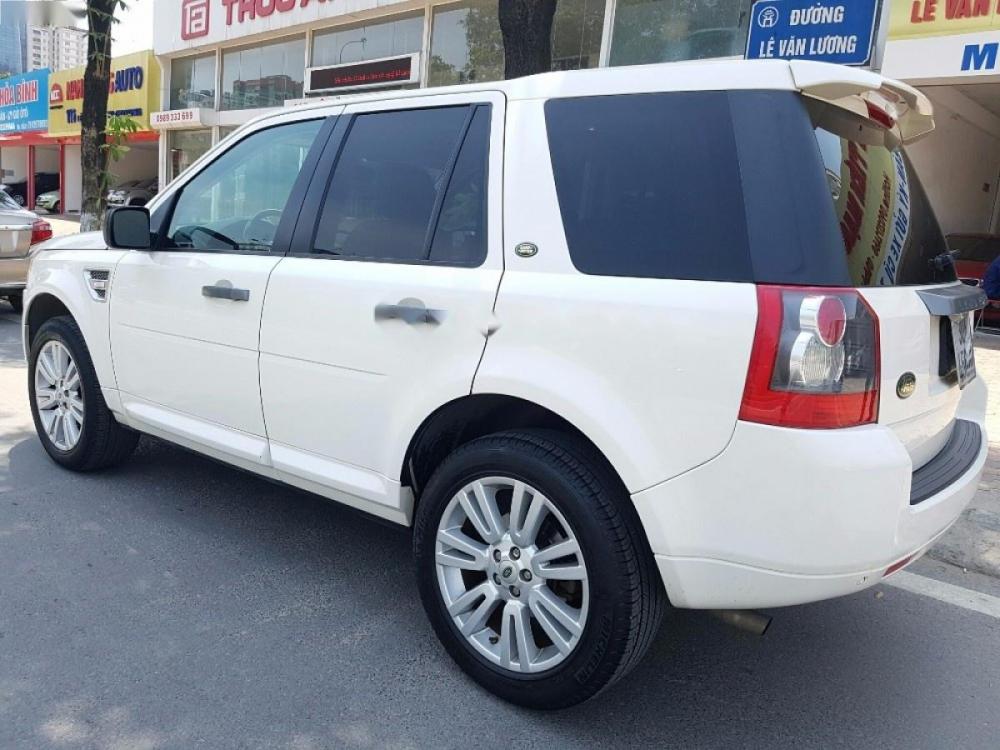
x,y
381,311
185,317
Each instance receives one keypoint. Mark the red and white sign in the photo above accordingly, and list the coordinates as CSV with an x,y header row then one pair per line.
x,y
194,18
178,118
183,24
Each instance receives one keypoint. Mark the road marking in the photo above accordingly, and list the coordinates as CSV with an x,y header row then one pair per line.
x,y
946,592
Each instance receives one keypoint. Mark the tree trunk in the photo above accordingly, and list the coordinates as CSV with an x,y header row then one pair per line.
x,y
526,26
94,118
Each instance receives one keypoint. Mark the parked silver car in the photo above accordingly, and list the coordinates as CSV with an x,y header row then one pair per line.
x,y
133,193
20,230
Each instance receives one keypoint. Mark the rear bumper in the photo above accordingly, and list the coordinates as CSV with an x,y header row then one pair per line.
x,y
792,516
13,273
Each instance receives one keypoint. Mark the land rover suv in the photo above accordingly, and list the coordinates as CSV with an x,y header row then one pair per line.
x,y
606,340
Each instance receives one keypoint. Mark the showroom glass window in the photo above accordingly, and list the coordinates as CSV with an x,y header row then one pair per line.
x,y
236,202
185,147
651,31
400,36
192,82
467,46
264,75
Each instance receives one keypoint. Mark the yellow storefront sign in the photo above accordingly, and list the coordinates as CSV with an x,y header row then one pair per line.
x,y
134,91
920,18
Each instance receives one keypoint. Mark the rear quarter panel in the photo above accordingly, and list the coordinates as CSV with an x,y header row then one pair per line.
x,y
651,370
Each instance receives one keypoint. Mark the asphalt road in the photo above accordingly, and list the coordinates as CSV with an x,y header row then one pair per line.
x,y
177,603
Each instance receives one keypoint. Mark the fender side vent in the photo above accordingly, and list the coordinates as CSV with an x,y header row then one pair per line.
x,y
97,282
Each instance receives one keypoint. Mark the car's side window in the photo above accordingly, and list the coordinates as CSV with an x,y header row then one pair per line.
x,y
409,186
236,202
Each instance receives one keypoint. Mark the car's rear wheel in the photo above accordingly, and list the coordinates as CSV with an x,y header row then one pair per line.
x,y
534,569
17,302
72,420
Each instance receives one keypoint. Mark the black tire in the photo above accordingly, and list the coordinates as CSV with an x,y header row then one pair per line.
x,y
17,302
103,441
55,208
626,594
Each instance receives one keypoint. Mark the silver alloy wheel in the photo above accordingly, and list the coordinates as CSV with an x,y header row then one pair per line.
x,y
59,395
512,574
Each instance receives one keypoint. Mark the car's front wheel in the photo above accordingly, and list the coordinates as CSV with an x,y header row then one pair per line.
x,y
71,417
533,568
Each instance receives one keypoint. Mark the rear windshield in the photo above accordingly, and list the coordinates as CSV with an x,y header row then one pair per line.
x,y
974,247
738,186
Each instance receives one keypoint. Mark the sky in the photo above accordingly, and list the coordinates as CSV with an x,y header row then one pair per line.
x,y
134,32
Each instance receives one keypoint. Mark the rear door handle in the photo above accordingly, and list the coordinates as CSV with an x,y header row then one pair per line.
x,y
225,290
410,311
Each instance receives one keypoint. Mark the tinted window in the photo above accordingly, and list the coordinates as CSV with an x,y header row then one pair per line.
x,y
237,201
460,236
891,236
649,185
739,186
389,184
973,247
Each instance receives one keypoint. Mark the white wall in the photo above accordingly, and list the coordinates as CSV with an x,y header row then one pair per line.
x,y
46,158
140,162
958,159
13,159
73,180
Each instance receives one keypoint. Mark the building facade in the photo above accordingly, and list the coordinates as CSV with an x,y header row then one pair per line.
x,y
40,126
226,61
56,47
13,39
950,52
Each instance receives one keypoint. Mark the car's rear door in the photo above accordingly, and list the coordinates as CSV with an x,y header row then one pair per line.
x,y
383,308
185,316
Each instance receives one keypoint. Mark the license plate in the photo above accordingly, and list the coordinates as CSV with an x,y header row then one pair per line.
x,y
965,353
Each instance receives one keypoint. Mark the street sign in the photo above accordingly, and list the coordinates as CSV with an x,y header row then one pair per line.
x,y
836,31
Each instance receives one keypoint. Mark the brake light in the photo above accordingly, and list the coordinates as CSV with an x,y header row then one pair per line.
x,y
880,116
815,359
41,230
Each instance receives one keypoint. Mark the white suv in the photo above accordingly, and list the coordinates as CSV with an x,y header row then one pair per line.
x,y
606,340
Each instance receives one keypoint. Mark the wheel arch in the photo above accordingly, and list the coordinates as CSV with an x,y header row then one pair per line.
x,y
464,419
40,308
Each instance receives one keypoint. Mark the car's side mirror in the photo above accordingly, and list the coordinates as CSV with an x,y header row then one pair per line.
x,y
127,228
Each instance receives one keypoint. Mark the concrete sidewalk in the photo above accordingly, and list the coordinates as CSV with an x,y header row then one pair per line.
x,y
974,541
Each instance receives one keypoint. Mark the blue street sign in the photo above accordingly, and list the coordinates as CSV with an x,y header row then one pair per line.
x,y
837,31
24,102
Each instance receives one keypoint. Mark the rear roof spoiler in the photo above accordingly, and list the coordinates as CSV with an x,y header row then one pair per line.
x,y
853,89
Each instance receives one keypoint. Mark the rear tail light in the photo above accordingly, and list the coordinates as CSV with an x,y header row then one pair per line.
x,y
815,359
41,230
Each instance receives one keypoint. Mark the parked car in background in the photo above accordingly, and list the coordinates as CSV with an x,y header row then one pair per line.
x,y
133,193
973,255
20,230
18,191
49,201
599,337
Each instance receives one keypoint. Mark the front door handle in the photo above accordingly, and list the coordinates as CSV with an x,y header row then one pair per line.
x,y
410,311
226,290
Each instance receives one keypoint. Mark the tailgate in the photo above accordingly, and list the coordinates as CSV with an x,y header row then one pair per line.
x,y
917,347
